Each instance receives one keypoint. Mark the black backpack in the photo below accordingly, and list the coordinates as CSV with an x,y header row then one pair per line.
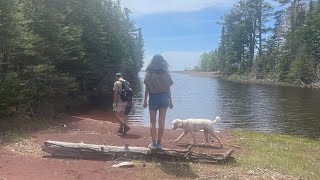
x,y
126,93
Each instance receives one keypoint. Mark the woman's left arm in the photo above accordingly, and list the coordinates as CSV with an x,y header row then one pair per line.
x,y
169,91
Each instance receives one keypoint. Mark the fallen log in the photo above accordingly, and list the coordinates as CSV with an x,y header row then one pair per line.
x,y
105,152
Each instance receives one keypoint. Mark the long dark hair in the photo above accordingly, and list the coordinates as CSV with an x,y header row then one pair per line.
x,y
158,65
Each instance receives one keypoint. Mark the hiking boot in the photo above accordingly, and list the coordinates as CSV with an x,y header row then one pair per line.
x,y
125,129
120,130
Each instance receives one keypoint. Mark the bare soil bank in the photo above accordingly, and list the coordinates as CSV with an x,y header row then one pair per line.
x,y
23,159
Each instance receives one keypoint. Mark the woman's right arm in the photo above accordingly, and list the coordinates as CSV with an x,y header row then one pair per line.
x,y
146,94
115,93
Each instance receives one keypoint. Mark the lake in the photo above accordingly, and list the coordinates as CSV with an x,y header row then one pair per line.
x,y
266,108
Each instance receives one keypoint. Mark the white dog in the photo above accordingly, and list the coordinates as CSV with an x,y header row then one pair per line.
x,y
193,125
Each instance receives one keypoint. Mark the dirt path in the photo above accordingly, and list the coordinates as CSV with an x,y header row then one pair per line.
x,y
25,160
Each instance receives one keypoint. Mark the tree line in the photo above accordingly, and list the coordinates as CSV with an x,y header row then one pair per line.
x,y
51,50
288,50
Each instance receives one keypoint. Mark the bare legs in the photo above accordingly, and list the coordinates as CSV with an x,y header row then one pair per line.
x,y
153,119
162,120
121,118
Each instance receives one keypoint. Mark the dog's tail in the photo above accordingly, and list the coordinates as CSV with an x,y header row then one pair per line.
x,y
216,119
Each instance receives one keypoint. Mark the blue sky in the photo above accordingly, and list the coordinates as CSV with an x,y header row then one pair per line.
x,y
180,30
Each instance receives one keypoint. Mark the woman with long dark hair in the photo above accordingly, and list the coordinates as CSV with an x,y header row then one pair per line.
x,y
158,82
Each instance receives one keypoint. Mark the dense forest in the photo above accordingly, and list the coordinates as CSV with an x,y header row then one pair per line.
x,y
59,52
277,40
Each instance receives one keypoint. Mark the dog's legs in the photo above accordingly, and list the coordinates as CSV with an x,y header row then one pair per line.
x,y
206,134
194,140
213,135
183,134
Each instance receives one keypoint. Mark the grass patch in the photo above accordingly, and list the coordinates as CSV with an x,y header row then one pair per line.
x,y
262,156
18,129
291,155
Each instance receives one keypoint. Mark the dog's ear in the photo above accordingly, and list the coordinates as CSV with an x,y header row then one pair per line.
x,y
175,123
178,122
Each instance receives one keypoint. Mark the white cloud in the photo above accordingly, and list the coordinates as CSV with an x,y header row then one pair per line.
x,y
142,7
178,60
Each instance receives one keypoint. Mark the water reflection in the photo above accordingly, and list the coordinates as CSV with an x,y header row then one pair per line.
x,y
241,106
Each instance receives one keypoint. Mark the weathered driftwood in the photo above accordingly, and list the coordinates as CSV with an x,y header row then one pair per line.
x,y
105,152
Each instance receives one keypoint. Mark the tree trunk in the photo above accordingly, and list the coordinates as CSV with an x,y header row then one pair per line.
x,y
260,27
105,152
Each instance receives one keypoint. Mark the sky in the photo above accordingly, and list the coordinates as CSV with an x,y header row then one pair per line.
x,y
180,30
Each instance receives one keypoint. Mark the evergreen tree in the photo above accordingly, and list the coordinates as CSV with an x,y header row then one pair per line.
x,y
290,53
52,48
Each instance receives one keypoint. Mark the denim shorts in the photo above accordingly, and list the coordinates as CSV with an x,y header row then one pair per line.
x,y
157,101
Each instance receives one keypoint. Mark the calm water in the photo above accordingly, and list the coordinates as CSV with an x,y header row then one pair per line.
x,y
266,108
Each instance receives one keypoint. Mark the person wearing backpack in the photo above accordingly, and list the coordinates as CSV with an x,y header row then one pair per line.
x,y
158,82
122,97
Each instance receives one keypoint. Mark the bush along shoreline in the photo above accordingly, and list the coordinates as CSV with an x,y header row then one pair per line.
x,y
267,81
247,79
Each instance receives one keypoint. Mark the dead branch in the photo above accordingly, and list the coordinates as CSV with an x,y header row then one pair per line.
x,y
303,84
34,117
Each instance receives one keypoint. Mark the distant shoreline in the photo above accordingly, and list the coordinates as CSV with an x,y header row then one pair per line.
x,y
199,73
196,73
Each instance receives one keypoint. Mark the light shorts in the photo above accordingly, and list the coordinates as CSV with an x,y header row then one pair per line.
x,y
120,106
157,101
